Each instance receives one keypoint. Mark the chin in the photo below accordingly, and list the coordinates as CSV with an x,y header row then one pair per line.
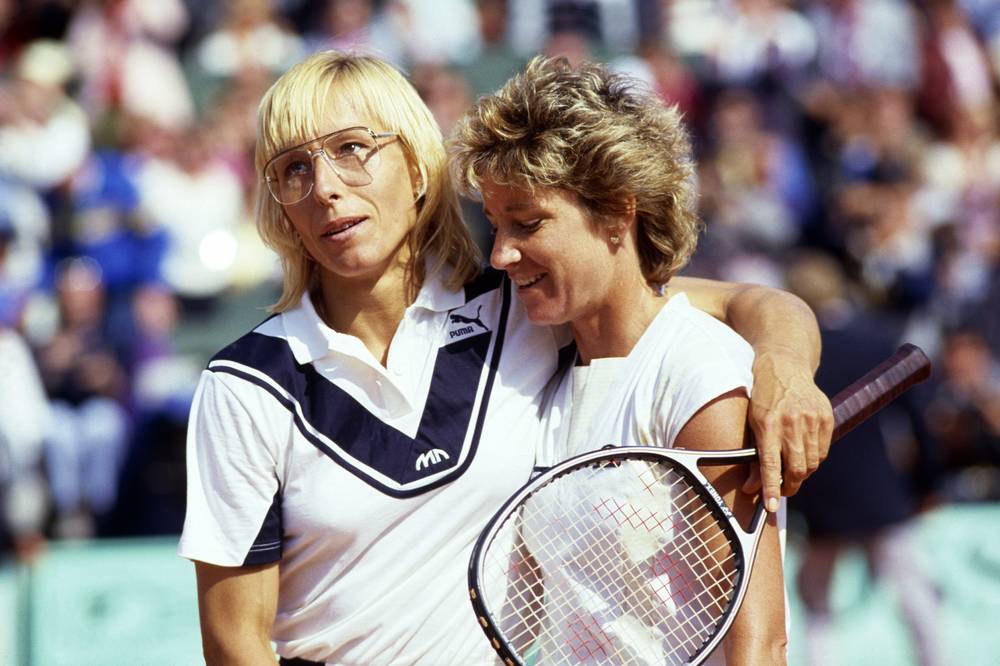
x,y
546,316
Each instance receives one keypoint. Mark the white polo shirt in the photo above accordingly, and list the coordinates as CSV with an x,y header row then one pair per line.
x,y
370,484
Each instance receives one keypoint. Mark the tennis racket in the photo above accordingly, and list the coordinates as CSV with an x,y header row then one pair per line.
x,y
628,555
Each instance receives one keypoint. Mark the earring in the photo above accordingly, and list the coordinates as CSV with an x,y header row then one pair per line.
x,y
614,239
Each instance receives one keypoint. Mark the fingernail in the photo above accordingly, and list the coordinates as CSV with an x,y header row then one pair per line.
x,y
772,504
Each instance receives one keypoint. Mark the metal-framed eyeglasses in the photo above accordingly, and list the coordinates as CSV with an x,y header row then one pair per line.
x,y
352,153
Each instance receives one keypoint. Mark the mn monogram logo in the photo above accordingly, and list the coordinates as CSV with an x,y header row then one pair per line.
x,y
432,457
471,323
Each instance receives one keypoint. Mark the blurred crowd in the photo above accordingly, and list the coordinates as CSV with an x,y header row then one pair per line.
x,y
849,150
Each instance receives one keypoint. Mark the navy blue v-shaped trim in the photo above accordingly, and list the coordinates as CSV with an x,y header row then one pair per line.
x,y
362,441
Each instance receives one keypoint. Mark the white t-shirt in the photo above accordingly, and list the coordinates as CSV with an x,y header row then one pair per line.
x,y
370,484
683,360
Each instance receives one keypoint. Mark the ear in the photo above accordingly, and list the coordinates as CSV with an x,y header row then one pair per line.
x,y
624,220
418,179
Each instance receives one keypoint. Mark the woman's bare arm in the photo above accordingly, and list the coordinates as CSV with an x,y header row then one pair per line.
x,y
757,635
791,418
236,606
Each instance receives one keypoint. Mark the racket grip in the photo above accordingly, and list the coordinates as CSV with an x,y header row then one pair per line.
x,y
880,386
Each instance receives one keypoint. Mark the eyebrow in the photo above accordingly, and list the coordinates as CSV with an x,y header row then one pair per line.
x,y
320,137
513,207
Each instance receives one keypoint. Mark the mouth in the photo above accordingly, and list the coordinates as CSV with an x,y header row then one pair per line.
x,y
341,225
525,283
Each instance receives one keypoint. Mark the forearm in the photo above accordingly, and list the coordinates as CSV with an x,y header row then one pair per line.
x,y
758,632
773,321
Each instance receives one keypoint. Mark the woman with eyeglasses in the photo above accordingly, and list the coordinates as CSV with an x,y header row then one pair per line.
x,y
344,455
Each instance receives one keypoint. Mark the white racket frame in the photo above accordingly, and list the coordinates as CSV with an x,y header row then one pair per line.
x,y
685,462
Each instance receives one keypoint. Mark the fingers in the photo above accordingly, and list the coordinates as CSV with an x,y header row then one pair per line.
x,y
769,454
826,423
792,423
806,442
789,451
794,449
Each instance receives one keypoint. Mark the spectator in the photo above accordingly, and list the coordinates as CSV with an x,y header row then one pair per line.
x,y
24,234
127,65
956,78
251,35
44,134
496,60
965,416
104,227
760,39
858,498
867,42
23,424
198,201
757,192
355,25
151,499
86,385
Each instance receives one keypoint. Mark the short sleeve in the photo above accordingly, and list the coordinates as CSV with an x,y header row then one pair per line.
x,y
709,360
233,515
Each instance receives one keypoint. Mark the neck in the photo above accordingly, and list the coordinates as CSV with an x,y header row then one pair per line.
x,y
367,308
613,328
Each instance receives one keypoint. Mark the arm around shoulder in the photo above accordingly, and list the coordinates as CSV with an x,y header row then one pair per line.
x,y
771,320
791,418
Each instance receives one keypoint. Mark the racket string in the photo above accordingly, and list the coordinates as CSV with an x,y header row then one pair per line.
x,y
652,585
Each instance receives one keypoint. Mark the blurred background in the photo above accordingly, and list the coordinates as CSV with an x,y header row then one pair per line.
x,y
849,151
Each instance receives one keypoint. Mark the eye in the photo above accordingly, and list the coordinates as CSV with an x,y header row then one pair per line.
x,y
530,225
353,145
296,167
350,148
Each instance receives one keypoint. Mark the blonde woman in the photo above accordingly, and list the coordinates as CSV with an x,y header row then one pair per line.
x,y
344,455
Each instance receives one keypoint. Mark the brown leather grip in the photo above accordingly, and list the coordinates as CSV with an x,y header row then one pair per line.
x,y
880,386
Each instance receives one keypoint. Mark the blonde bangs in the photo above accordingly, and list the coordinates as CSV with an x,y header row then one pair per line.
x,y
290,114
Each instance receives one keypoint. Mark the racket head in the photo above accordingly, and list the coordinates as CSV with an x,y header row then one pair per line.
x,y
618,556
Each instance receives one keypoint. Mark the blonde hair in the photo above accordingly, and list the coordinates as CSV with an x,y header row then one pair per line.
x,y
291,113
598,135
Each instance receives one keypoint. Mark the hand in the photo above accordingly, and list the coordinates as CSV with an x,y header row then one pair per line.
x,y
792,422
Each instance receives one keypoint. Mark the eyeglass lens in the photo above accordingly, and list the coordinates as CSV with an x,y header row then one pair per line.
x,y
352,153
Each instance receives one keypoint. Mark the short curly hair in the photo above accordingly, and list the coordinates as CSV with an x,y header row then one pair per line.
x,y
595,133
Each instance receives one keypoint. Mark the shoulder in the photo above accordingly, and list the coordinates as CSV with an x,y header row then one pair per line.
x,y
257,348
697,338
697,358
251,371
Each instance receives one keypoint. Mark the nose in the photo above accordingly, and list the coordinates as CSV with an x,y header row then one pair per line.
x,y
326,183
504,253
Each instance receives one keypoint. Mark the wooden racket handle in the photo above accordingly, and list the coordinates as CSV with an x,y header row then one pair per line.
x,y
880,386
